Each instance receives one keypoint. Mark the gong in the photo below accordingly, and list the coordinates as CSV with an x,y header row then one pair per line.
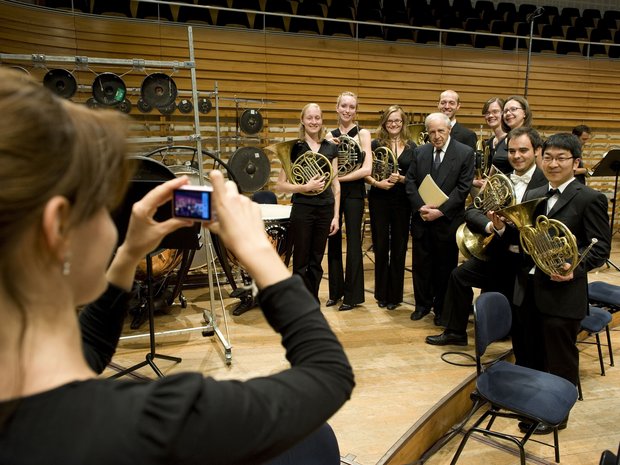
x,y
251,121
61,82
167,109
109,89
185,106
143,106
204,105
251,168
125,106
158,90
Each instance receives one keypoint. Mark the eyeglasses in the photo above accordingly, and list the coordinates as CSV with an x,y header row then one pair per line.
x,y
492,113
512,109
397,122
547,159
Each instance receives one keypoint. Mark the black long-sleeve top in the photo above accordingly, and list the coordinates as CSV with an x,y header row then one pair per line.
x,y
185,418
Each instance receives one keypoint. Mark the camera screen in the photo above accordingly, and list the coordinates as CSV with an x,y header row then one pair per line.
x,y
194,204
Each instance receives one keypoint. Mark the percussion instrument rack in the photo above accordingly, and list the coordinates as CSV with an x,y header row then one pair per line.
x,y
83,63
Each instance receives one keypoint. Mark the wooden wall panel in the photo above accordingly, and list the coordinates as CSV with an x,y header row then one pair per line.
x,y
284,71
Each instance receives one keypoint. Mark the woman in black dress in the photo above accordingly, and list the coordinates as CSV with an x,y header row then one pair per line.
x,y
390,210
314,215
348,283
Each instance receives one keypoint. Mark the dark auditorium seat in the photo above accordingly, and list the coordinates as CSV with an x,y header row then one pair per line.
x,y
511,43
193,14
503,8
576,33
392,5
112,7
340,10
232,19
370,31
542,46
79,5
568,48
337,28
590,17
439,8
155,11
364,5
525,9
551,31
485,10
425,36
399,34
270,22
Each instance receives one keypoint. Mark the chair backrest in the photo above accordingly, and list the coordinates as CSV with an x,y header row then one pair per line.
x,y
264,197
320,448
492,320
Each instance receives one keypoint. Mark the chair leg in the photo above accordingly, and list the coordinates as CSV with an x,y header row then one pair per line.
x,y
580,392
600,354
556,444
611,352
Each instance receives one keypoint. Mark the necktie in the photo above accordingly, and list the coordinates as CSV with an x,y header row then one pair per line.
x,y
525,179
551,202
437,160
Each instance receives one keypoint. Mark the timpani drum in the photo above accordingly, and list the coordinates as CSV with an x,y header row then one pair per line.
x,y
277,219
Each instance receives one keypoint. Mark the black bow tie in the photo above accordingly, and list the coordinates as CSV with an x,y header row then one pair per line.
x,y
551,192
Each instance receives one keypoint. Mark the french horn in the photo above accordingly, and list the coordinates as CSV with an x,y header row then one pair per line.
x,y
498,193
418,133
384,163
350,155
552,245
482,158
307,166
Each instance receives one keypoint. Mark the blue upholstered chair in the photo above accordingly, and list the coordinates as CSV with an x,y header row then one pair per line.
x,y
513,391
320,448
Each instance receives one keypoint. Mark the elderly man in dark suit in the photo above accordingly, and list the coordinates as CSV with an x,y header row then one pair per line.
x,y
497,272
449,104
551,307
433,227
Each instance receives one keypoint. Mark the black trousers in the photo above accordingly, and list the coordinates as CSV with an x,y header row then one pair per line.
x,y
309,229
433,261
495,275
544,342
349,284
389,223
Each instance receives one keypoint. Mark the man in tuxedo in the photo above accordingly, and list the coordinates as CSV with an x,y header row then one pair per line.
x,y
550,308
583,133
498,272
449,104
433,227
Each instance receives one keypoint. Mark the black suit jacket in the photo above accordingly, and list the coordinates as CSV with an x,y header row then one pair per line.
x,y
454,178
584,211
464,135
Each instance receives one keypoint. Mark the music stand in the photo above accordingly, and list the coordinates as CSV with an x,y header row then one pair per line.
x,y
610,166
149,175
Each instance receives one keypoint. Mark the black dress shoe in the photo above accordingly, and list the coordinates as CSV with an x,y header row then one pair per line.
x,y
331,302
524,427
382,303
446,338
392,306
420,312
344,307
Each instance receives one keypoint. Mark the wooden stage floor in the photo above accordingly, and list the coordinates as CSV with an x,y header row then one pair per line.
x,y
399,377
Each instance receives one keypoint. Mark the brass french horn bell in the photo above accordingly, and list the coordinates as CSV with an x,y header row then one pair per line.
x,y
350,155
306,166
384,163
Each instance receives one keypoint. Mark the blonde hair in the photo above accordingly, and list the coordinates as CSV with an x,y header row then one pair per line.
x,y
383,135
302,128
347,93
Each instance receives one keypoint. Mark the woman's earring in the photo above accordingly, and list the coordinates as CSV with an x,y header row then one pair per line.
x,y
66,267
